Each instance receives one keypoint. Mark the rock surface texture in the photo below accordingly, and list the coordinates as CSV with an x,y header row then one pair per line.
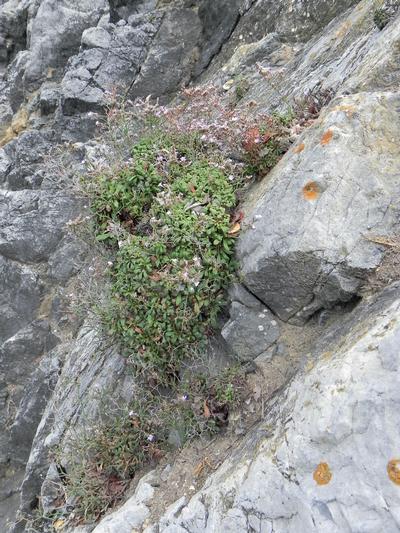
x,y
339,184
323,458
320,461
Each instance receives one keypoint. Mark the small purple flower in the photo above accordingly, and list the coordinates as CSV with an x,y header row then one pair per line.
x,y
151,438
185,397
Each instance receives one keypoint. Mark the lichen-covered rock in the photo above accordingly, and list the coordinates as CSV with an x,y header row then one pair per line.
x,y
307,245
326,456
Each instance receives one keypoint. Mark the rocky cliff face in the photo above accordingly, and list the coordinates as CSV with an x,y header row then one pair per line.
x,y
325,455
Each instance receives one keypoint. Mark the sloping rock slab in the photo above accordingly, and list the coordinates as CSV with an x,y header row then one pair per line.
x,y
306,246
326,458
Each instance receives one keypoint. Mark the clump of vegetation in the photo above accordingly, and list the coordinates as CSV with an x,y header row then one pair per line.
x,y
164,209
242,86
101,463
167,214
381,18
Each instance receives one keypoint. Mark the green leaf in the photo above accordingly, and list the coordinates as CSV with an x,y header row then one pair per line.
x,y
103,236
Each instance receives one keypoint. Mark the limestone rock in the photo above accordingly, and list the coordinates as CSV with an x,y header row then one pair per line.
x,y
111,57
20,297
55,34
329,462
308,245
133,513
250,332
32,234
92,375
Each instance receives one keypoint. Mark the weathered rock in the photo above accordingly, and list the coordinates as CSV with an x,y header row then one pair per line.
x,y
292,23
309,244
13,21
20,297
133,513
37,392
250,332
49,98
122,9
55,34
172,56
51,490
322,459
111,57
67,260
19,352
92,375
350,55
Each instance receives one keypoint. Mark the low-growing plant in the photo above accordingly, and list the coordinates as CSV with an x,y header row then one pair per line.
x,y
164,210
381,18
242,86
100,463
167,215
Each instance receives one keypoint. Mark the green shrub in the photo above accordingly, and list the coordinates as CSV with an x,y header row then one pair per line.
x,y
167,215
381,18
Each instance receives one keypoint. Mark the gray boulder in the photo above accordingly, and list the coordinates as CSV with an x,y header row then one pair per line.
x,y
307,246
252,328
36,223
111,57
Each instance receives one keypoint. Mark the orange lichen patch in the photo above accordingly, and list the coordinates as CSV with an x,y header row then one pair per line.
x,y
322,474
299,148
311,191
327,137
393,470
